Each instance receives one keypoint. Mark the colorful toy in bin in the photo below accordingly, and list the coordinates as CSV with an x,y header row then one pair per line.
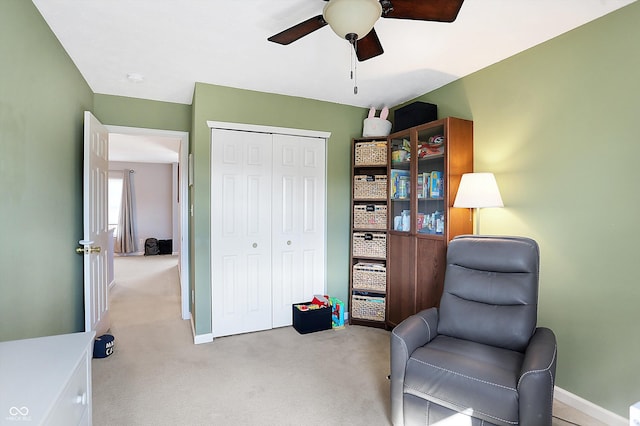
x,y
320,300
337,312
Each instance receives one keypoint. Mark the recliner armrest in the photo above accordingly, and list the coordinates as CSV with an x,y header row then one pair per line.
x,y
416,331
406,337
537,378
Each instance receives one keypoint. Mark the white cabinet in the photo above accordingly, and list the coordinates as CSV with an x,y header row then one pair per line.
x,y
47,380
268,234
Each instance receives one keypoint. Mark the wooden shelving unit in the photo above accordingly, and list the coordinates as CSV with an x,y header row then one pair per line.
x,y
369,224
402,218
417,247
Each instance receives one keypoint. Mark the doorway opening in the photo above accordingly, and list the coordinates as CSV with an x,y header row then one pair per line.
x,y
158,153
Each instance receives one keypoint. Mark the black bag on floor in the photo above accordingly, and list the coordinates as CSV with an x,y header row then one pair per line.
x,y
151,247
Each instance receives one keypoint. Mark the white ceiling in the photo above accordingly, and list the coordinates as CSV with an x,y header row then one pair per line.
x,y
175,43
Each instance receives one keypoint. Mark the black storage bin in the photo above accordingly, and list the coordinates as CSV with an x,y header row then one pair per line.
x,y
166,246
414,114
312,320
103,346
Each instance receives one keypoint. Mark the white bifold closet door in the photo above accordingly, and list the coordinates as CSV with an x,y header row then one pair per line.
x,y
267,227
298,223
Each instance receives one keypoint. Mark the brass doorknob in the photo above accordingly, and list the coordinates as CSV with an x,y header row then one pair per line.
x,y
88,250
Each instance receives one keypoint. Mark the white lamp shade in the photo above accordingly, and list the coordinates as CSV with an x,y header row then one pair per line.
x,y
352,16
478,190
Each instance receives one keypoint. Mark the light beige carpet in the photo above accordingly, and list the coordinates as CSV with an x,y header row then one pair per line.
x,y
157,376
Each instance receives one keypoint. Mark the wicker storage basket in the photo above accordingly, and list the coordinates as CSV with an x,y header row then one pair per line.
x,y
370,186
372,153
369,276
370,244
367,307
372,216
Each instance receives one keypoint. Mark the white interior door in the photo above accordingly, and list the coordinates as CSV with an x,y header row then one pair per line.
x,y
241,231
298,224
94,242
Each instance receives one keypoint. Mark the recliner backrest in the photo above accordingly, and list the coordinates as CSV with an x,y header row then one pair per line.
x,y
491,290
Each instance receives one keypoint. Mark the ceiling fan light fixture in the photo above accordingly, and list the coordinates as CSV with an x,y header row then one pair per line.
x,y
347,17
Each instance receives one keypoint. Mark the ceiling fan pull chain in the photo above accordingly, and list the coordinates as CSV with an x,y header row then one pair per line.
x,y
351,63
352,38
354,67
355,79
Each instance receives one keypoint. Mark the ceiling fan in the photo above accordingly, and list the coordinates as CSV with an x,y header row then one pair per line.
x,y
354,20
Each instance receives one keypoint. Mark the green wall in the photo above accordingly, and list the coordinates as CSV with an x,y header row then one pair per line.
x,y
42,99
557,125
133,112
219,103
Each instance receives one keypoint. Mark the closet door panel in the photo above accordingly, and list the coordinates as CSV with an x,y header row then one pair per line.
x,y
241,164
298,223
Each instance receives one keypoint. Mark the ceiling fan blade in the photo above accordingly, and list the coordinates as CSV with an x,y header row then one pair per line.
x,y
425,10
369,46
298,31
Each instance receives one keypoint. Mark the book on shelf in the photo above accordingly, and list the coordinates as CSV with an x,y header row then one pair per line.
x,y
423,184
436,185
427,181
399,183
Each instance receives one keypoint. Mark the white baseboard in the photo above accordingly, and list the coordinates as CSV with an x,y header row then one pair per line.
x,y
203,338
200,338
589,408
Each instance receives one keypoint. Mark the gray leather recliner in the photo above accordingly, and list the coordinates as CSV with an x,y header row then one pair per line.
x,y
480,356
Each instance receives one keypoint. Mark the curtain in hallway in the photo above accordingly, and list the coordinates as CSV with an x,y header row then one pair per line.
x,y
125,239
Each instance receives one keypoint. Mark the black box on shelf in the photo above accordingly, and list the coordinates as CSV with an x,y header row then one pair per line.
x,y
413,114
311,320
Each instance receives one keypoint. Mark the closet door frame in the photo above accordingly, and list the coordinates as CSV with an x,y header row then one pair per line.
x,y
268,129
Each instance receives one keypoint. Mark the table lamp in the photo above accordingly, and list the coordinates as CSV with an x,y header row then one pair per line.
x,y
476,191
